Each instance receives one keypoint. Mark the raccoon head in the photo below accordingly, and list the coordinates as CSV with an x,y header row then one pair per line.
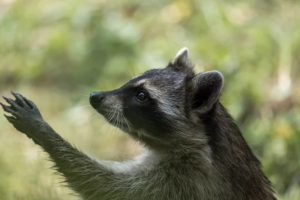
x,y
162,107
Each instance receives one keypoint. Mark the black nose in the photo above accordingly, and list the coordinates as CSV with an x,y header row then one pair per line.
x,y
96,98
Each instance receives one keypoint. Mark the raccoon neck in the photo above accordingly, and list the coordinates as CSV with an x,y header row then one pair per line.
x,y
232,156
225,139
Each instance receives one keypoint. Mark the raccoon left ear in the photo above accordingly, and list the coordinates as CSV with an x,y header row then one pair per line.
x,y
207,90
181,62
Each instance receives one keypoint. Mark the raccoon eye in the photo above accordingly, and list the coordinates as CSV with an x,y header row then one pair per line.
x,y
142,96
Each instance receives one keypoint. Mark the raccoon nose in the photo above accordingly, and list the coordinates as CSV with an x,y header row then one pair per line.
x,y
96,98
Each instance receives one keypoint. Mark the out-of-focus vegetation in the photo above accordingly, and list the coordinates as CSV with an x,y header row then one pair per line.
x,y
57,52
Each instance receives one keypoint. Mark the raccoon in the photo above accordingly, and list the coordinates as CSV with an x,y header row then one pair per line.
x,y
193,148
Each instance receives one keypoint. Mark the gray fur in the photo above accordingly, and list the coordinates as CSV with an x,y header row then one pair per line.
x,y
193,149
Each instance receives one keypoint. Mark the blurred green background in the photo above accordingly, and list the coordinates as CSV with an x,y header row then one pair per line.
x,y
57,52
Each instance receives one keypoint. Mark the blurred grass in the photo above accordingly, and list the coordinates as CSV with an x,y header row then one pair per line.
x,y
57,52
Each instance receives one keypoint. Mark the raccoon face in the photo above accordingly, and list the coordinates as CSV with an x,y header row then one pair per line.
x,y
160,105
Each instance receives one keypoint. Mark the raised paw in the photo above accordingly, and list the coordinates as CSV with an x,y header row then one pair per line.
x,y
25,115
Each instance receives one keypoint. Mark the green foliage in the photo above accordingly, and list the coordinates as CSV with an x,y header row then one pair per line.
x,y
54,51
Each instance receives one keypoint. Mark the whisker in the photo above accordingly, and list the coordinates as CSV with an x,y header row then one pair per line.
x,y
118,120
94,115
111,115
109,118
128,74
114,119
133,70
126,122
114,124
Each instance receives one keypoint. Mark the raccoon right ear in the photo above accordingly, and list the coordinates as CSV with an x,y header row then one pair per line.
x,y
181,62
207,89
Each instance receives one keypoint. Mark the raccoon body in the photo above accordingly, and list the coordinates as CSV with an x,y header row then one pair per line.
x,y
193,148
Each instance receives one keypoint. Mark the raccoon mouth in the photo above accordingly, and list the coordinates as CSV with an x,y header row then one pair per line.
x,y
116,118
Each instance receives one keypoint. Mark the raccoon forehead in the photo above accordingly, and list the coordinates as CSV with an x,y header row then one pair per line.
x,y
159,82
158,77
139,79
140,82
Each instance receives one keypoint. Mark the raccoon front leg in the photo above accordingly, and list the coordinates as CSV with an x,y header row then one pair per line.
x,y
83,174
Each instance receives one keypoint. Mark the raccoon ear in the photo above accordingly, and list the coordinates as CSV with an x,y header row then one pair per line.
x,y
181,62
181,57
207,90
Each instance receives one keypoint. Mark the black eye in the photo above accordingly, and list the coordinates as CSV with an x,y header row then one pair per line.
x,y
142,96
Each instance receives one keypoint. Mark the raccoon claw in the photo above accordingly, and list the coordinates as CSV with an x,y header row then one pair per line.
x,y
13,104
9,109
23,101
10,119
25,115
